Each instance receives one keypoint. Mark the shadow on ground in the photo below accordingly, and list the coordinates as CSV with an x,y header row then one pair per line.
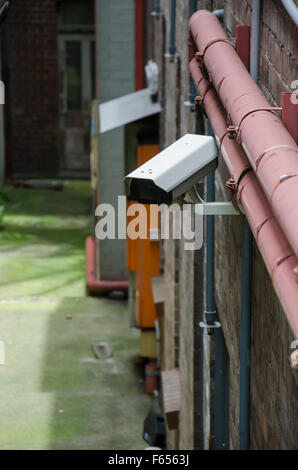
x,y
54,393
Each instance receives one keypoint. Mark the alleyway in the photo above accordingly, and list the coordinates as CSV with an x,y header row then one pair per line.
x,y
54,393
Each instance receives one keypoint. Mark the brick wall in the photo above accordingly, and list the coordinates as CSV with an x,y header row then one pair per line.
x,y
182,313
278,44
274,403
33,87
273,388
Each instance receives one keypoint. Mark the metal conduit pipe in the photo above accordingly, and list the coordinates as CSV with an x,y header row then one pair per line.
x,y
192,89
172,45
221,428
157,7
272,243
268,145
292,10
191,103
245,335
246,268
255,39
192,7
210,314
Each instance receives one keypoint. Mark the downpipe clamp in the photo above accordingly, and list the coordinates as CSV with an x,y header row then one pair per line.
x,y
210,324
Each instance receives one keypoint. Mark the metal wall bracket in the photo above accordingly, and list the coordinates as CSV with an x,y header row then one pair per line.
x,y
167,55
210,326
156,13
209,208
189,104
217,208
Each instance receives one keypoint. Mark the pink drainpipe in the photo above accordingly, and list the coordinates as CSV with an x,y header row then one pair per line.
x,y
274,246
270,148
93,285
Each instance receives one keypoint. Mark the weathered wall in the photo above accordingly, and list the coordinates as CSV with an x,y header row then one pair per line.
x,y
115,77
274,404
273,388
182,310
33,87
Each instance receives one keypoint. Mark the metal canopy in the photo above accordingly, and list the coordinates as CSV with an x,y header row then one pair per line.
x,y
126,109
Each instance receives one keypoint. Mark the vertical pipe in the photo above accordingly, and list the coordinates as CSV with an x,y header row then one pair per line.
x,y
192,7
157,7
210,303
246,270
210,314
255,39
245,335
192,88
140,48
221,393
221,422
192,94
172,45
221,373
164,84
201,333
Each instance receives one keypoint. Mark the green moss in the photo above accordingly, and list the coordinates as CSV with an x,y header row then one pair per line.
x,y
43,241
54,394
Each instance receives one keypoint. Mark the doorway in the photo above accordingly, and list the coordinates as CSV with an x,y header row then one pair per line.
x,y
76,47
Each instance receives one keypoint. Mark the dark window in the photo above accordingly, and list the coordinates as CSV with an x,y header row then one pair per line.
x,y
74,75
79,12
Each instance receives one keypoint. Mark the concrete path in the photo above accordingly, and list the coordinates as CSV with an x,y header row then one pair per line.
x,y
54,393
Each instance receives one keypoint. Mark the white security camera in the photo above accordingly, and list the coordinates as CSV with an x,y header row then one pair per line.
x,y
174,171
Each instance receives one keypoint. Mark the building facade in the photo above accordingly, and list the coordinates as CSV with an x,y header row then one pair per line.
x,y
49,61
273,387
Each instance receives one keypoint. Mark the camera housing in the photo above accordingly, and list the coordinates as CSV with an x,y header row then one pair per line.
x,y
171,173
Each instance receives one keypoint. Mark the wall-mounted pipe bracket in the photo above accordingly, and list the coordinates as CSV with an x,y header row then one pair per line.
x,y
218,208
210,208
212,326
157,14
170,56
211,323
189,104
